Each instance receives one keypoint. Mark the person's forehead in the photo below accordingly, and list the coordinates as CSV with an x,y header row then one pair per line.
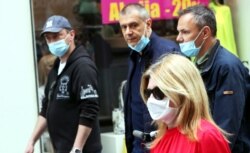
x,y
130,18
47,34
186,21
151,83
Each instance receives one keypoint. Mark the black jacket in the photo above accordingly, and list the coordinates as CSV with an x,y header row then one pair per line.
x,y
71,99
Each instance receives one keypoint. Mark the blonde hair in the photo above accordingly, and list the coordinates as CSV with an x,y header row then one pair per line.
x,y
44,66
180,80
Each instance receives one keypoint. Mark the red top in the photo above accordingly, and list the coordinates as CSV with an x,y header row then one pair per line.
x,y
210,141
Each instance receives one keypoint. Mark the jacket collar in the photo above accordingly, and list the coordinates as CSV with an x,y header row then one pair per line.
x,y
206,66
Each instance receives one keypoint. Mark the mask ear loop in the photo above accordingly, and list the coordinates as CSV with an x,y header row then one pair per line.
x,y
198,36
68,34
145,30
66,38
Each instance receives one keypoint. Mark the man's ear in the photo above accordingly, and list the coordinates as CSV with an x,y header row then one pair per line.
x,y
206,32
149,23
72,34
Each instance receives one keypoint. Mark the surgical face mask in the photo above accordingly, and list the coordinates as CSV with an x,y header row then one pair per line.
x,y
189,49
160,110
141,44
59,48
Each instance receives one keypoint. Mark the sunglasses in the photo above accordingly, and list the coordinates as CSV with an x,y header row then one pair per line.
x,y
157,93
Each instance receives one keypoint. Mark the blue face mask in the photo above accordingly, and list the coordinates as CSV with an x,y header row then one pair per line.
x,y
189,49
58,48
141,44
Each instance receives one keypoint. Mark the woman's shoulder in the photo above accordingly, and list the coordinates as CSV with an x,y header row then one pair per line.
x,y
211,139
207,128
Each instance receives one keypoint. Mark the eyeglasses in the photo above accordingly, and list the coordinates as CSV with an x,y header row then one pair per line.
x,y
157,93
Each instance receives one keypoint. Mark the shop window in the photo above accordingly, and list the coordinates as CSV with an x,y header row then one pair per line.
x,y
104,43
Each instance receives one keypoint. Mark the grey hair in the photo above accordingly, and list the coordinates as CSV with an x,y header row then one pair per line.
x,y
130,8
203,17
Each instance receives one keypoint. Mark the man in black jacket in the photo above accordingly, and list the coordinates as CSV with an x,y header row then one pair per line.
x,y
70,106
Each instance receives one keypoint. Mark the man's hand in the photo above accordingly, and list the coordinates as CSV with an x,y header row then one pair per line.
x,y
29,148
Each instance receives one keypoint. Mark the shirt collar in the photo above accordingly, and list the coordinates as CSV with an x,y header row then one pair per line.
x,y
202,59
200,62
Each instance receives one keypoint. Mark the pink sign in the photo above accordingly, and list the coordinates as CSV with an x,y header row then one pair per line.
x,y
158,9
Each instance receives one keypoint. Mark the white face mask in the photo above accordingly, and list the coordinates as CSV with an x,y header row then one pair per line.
x,y
160,110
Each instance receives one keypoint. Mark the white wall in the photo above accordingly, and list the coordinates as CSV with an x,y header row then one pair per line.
x,y
243,30
241,20
18,102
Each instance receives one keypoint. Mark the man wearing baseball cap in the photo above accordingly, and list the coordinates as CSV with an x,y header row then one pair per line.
x,y
70,106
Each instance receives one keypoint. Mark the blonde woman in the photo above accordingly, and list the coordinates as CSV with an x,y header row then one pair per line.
x,y
177,101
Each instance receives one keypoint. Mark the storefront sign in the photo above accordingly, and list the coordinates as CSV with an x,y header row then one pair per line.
x,y
158,9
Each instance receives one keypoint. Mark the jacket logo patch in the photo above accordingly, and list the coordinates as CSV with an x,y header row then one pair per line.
x,y
88,92
63,88
228,92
